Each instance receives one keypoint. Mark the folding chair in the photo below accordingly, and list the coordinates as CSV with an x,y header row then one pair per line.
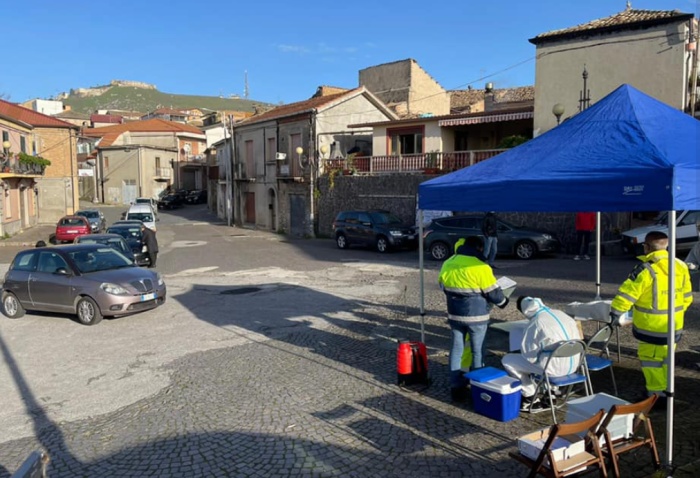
x,y
614,448
585,462
596,363
545,382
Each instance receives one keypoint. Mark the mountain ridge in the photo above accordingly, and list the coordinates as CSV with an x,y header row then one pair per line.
x,y
145,97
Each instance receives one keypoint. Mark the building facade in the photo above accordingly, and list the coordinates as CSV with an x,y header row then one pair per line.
x,y
650,50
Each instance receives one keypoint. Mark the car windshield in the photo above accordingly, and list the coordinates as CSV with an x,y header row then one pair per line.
x,y
112,242
126,232
141,216
384,218
102,259
74,221
662,220
88,214
143,201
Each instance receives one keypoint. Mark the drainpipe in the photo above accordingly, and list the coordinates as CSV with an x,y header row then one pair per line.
x,y
72,173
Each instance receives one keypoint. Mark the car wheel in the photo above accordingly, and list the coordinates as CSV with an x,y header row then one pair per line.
x,y
525,250
88,311
341,241
382,244
11,306
439,251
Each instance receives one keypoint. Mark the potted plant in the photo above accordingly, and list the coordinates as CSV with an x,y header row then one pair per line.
x,y
431,163
350,167
33,162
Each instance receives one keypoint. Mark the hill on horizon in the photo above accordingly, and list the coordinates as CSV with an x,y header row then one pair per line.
x,y
144,100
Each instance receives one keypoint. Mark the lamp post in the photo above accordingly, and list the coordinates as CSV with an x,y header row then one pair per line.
x,y
558,111
306,163
6,149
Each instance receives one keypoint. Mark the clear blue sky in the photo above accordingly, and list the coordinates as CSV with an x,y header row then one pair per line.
x,y
287,48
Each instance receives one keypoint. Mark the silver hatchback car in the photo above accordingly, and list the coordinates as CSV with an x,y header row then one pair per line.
x,y
89,280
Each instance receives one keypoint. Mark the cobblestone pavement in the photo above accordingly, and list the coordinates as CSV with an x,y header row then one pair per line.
x,y
317,396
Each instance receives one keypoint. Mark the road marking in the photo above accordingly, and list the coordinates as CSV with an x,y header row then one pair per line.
x,y
177,244
188,272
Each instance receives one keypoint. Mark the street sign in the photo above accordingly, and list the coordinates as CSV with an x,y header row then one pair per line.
x,y
86,172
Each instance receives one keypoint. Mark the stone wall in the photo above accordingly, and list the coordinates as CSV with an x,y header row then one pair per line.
x,y
397,193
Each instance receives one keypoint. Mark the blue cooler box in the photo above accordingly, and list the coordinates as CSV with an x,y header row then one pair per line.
x,y
498,398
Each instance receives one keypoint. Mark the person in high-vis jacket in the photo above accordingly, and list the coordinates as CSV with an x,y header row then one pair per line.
x,y
646,292
471,290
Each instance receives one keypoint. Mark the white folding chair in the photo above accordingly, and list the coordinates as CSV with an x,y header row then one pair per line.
x,y
574,349
601,361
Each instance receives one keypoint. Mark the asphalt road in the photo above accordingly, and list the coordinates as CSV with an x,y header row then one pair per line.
x,y
276,357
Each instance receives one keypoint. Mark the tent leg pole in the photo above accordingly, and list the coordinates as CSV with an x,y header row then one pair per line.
x,y
422,280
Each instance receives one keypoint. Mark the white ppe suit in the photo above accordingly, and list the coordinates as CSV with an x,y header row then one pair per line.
x,y
547,326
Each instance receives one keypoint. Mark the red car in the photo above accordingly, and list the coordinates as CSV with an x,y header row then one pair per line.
x,y
70,227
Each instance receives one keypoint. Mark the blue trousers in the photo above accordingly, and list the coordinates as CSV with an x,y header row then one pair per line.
x,y
477,334
490,248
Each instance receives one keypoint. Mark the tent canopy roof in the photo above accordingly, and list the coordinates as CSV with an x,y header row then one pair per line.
x,y
628,152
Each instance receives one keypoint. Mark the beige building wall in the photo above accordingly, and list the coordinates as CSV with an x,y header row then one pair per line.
x,y
426,95
407,87
653,60
58,188
433,139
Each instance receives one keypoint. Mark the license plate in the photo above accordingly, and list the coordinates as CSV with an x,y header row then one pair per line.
x,y
71,232
412,236
146,297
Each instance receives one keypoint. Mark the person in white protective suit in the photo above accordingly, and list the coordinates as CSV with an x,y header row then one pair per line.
x,y
546,327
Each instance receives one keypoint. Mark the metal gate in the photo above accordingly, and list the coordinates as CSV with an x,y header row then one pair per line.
x,y
130,191
297,215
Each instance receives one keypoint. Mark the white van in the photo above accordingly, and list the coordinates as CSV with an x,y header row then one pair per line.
x,y
143,213
686,232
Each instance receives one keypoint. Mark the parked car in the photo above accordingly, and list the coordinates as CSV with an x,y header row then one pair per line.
x,y
70,227
150,201
95,218
170,201
144,213
90,280
130,222
134,238
380,229
115,241
686,232
440,236
196,196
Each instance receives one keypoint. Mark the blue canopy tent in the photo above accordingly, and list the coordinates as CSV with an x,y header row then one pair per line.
x,y
628,152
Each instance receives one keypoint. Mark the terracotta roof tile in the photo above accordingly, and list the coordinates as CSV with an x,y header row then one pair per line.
x,y
625,19
294,108
461,100
109,134
32,117
114,119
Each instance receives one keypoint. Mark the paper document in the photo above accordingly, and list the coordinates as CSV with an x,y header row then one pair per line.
x,y
507,284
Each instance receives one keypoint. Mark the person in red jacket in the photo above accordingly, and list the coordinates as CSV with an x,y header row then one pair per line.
x,y
585,225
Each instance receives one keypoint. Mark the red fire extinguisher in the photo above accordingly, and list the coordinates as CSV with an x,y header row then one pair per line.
x,y
412,363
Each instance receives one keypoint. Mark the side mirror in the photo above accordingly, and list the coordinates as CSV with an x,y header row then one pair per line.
x,y
62,271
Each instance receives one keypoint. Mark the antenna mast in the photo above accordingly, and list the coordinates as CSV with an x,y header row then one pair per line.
x,y
245,88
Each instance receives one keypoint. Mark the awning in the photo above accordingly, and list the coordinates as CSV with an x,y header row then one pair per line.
x,y
495,118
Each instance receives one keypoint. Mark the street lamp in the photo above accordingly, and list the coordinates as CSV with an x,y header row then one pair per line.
x,y
306,162
6,148
558,111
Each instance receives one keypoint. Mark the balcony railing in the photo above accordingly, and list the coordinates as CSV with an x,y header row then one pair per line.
x,y
16,167
412,163
164,172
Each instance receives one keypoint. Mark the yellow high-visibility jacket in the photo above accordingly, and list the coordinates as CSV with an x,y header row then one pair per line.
x,y
646,292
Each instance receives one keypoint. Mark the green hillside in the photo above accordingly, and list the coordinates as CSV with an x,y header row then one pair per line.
x,y
145,100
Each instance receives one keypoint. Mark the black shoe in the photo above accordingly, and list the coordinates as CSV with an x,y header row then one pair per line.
x,y
459,394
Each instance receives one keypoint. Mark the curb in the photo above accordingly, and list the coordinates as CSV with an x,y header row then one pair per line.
x,y
17,244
